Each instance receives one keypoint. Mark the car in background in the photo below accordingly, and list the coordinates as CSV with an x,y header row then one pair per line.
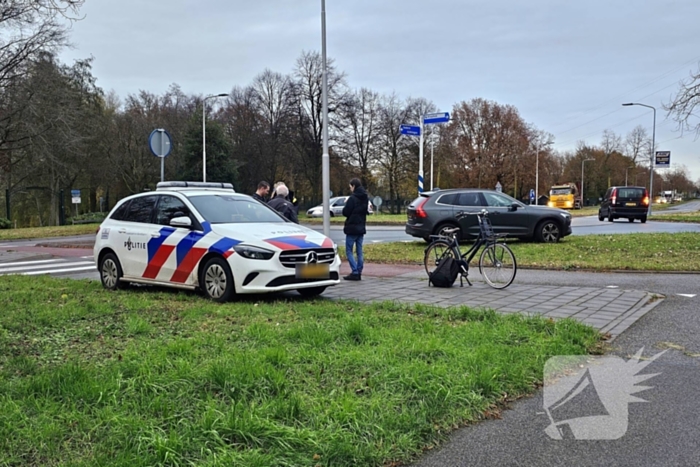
x,y
624,202
337,204
194,235
434,211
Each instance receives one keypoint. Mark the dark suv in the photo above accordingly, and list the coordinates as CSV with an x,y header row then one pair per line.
x,y
630,202
434,211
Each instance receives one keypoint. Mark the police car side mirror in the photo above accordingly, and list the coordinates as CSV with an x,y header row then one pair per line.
x,y
182,221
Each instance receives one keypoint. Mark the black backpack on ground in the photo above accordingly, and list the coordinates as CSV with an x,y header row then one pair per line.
x,y
445,274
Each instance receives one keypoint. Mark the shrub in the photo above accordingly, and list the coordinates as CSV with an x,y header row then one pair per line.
x,y
5,223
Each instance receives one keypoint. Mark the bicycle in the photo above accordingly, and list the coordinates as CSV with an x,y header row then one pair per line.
x,y
497,263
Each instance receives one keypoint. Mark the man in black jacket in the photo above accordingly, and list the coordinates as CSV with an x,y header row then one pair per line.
x,y
263,190
355,211
281,204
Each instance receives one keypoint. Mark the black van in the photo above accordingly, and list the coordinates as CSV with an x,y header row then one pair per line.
x,y
630,202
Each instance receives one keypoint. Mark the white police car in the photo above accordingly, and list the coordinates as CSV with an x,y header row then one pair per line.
x,y
205,235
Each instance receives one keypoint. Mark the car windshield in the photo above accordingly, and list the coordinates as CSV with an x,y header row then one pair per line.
x,y
631,193
560,191
227,209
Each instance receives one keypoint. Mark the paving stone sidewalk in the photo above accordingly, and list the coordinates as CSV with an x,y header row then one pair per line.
x,y
609,310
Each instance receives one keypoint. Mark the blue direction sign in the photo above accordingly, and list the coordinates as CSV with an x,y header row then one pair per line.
x,y
410,130
440,117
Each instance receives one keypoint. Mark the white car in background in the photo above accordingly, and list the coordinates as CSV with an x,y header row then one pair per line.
x,y
196,235
336,204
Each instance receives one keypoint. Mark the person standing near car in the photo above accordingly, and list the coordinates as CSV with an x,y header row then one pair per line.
x,y
355,211
281,204
263,190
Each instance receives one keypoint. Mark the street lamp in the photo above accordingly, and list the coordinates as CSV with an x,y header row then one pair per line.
x,y
582,162
651,156
537,173
204,133
630,167
325,157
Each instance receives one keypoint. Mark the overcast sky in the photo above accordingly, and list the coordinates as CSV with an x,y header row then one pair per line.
x,y
567,66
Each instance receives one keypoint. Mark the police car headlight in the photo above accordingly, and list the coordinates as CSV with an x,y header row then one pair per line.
x,y
335,248
253,252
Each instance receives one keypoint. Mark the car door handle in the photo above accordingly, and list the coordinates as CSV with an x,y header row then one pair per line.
x,y
122,230
155,234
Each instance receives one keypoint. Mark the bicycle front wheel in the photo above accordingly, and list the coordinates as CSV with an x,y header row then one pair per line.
x,y
497,265
435,252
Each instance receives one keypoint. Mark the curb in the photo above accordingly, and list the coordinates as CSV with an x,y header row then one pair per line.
x,y
631,316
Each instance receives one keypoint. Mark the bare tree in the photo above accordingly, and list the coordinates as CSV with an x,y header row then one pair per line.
x,y
359,131
637,143
682,107
308,132
29,27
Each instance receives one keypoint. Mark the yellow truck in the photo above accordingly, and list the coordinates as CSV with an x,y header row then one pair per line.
x,y
564,196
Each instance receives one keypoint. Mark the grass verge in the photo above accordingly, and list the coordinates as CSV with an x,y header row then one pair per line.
x,y
147,377
46,232
651,252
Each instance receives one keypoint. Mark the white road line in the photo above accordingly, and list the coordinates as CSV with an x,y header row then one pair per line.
x,y
57,271
687,295
21,263
40,266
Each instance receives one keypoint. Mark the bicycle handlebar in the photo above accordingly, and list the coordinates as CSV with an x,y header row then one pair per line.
x,y
481,213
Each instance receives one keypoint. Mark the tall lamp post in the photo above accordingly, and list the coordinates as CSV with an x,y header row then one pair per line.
x,y
651,156
204,133
582,178
537,173
325,157
627,169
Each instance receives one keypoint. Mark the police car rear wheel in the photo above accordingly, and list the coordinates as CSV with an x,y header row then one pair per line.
x,y
111,272
217,280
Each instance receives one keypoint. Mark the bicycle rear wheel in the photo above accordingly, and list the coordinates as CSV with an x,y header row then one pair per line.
x,y
435,252
497,265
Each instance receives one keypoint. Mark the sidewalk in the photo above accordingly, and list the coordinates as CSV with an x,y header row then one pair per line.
x,y
606,309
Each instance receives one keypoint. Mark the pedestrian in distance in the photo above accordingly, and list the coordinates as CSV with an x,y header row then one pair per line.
x,y
262,192
281,204
355,211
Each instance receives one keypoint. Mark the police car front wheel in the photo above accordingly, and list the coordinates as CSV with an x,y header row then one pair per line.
x,y
216,280
111,272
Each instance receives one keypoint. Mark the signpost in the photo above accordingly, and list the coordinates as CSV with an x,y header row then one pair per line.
x,y
427,119
75,198
663,159
532,196
410,130
160,143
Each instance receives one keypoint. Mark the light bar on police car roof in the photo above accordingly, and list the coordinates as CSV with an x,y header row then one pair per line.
x,y
221,185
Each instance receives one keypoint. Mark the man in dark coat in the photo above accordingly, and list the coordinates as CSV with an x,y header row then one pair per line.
x,y
263,190
281,204
355,211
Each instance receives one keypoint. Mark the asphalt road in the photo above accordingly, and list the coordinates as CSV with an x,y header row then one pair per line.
x,y
662,432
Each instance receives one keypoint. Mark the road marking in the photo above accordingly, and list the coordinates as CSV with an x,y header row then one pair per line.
x,y
688,295
46,271
58,271
612,286
20,263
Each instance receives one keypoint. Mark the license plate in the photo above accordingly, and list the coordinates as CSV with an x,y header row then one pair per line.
x,y
630,204
313,271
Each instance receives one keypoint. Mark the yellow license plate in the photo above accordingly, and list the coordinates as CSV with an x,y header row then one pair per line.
x,y
630,204
313,271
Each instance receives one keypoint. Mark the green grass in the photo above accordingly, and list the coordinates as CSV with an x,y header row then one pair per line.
x,y
650,252
147,377
45,232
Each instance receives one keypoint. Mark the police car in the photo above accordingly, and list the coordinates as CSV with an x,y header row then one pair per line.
x,y
196,235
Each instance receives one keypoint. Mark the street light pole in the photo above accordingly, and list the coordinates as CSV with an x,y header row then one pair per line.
x,y
204,133
432,143
537,173
651,156
582,179
325,158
